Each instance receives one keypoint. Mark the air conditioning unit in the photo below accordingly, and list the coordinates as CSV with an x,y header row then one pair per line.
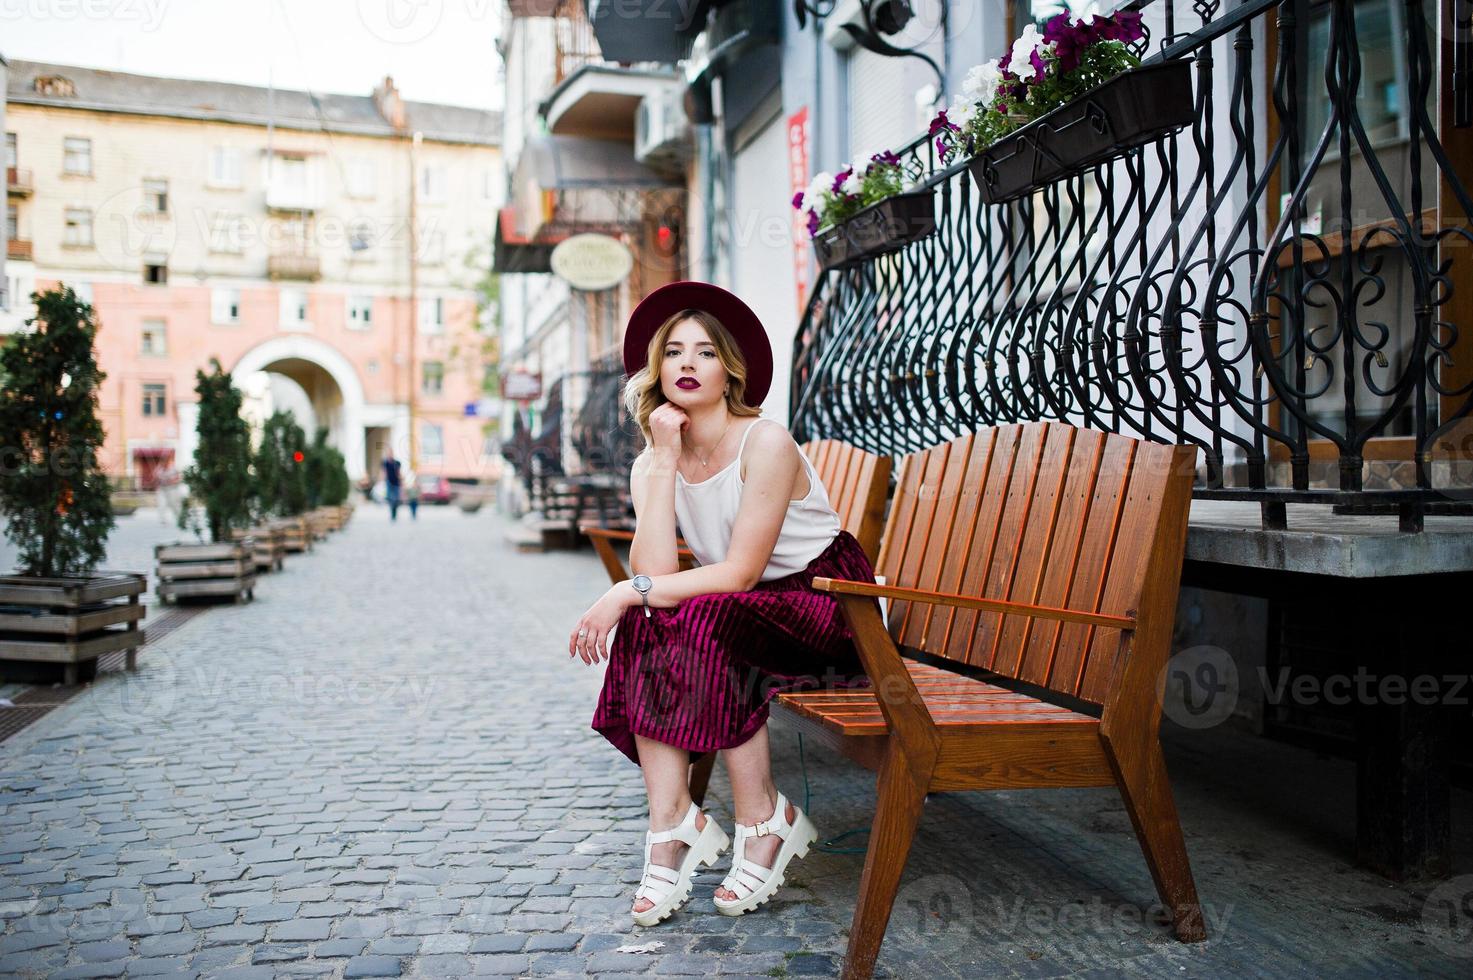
x,y
661,131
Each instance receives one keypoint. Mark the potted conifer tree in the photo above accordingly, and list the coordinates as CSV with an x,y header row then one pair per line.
x,y
219,484
281,478
55,499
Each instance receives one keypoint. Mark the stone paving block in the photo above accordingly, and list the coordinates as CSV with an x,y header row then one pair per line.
x,y
372,966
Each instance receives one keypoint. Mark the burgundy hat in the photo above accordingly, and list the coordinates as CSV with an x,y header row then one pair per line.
x,y
737,317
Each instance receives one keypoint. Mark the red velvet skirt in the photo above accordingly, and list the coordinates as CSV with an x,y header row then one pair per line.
x,y
699,676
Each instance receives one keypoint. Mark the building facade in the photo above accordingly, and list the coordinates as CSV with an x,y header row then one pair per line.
x,y
338,243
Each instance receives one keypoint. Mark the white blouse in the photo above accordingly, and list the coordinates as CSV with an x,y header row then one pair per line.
x,y
706,512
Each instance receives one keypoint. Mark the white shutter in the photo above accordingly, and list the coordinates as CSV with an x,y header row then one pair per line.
x,y
882,93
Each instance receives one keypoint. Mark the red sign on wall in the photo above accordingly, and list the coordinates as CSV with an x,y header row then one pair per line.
x,y
798,181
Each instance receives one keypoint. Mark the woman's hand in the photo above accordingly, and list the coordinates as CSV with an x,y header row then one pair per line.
x,y
590,636
667,422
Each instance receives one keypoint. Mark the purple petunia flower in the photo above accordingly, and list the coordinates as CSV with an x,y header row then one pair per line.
x,y
940,124
798,201
886,157
839,179
812,223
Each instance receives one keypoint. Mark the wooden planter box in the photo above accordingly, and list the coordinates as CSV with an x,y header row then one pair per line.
x,y
206,570
883,227
319,523
295,534
345,513
270,546
1134,108
71,620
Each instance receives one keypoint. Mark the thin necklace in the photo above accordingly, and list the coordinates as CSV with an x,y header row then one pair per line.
x,y
704,464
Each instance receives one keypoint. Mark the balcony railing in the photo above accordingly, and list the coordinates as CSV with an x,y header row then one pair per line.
x,y
18,249
1274,284
18,181
294,265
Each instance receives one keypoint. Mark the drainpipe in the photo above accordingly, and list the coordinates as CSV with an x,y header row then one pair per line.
x,y
413,294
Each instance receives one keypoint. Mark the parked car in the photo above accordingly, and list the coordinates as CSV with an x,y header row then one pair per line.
x,y
434,490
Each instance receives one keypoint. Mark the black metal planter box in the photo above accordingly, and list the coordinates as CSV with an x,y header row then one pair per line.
x,y
883,227
1133,108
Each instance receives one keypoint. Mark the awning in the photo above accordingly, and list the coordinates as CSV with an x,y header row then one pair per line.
x,y
561,163
512,252
580,184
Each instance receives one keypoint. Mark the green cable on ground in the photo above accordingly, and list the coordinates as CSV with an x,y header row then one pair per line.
x,y
827,846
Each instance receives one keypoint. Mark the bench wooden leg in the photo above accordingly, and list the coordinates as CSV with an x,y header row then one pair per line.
x,y
608,556
1146,790
700,777
897,812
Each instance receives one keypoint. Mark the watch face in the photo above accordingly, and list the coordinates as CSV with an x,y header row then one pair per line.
x,y
643,583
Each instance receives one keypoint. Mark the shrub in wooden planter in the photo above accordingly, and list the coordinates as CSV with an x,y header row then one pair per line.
x,y
56,500
295,535
270,546
219,480
225,569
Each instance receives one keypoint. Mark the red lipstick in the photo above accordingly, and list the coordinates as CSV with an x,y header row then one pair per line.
x,y
689,384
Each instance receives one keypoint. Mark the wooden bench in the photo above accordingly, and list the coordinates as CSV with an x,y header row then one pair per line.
x,y
1039,553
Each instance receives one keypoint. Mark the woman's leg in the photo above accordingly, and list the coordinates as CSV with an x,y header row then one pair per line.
x,y
666,774
754,796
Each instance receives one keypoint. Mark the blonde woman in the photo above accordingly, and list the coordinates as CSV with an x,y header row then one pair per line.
x,y
698,654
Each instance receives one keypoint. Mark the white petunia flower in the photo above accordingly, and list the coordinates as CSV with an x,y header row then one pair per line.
x,y
817,187
961,111
1020,60
981,83
852,183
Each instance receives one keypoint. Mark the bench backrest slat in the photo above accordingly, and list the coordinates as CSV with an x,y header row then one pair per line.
x,y
1043,514
857,484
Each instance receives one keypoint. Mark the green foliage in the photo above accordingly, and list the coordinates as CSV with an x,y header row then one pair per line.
x,y
281,473
220,478
327,474
55,496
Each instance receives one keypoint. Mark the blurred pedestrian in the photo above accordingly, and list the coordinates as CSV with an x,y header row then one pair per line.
x,y
392,483
411,494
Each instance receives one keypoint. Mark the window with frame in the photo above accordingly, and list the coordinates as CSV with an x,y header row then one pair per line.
x,y
360,311
78,231
432,439
156,196
225,166
12,152
360,238
156,272
77,156
155,399
12,223
432,314
432,378
225,305
432,183
153,340
294,309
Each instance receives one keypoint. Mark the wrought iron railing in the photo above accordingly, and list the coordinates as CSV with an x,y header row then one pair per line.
x,y
1284,283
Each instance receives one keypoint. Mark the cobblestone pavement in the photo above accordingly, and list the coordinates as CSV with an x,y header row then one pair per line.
x,y
383,767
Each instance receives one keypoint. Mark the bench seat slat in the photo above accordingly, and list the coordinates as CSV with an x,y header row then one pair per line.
x,y
954,701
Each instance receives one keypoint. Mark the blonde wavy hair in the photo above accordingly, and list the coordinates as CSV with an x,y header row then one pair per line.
x,y
643,394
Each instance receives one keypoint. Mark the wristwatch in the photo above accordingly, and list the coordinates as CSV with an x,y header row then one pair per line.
x,y
642,584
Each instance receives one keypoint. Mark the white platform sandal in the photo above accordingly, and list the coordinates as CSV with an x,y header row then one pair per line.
x,y
668,888
749,881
